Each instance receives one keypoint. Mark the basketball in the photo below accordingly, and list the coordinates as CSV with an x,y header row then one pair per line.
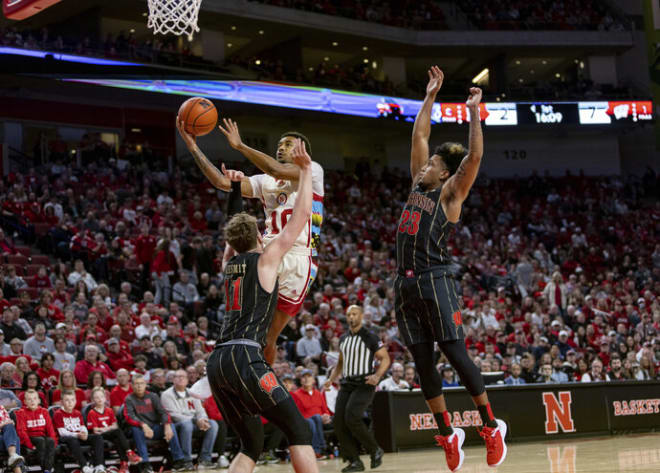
x,y
199,116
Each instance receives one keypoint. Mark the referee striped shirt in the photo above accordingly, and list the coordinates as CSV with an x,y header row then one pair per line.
x,y
357,350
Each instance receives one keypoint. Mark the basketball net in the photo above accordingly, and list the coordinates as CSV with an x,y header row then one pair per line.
x,y
174,16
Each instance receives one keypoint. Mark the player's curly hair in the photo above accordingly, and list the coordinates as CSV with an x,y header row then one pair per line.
x,y
295,134
452,154
241,232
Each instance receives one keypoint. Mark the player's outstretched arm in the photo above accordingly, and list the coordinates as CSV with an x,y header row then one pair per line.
x,y
215,177
460,183
267,164
302,211
419,153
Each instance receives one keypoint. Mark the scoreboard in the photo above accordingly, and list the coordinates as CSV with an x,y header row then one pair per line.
x,y
549,114
544,114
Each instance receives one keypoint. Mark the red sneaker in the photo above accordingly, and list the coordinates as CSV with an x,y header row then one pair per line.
x,y
452,445
495,446
123,467
133,458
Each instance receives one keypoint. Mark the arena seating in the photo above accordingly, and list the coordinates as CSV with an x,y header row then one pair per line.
x,y
517,238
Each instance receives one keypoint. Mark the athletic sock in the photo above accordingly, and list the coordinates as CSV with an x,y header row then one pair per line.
x,y
487,416
444,424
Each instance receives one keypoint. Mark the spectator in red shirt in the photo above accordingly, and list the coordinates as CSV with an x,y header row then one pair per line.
x,y
6,247
410,377
41,280
119,392
197,222
102,423
163,265
95,380
32,381
91,363
47,374
35,430
145,246
118,358
71,429
313,407
67,382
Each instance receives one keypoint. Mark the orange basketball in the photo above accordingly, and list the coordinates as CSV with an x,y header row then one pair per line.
x,y
199,116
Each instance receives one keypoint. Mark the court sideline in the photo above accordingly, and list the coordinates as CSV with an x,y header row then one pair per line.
x,y
629,453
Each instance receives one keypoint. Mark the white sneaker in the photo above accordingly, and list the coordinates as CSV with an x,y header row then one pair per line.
x,y
99,469
88,469
14,459
223,462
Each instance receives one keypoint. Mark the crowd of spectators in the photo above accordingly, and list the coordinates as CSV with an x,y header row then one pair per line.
x,y
411,14
121,46
559,277
358,76
540,15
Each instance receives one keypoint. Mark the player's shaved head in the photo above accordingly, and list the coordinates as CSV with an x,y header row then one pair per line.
x,y
241,232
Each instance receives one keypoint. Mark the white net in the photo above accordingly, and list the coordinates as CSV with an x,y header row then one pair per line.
x,y
174,16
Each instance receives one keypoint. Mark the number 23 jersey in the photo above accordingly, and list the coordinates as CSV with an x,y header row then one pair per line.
x,y
278,197
421,237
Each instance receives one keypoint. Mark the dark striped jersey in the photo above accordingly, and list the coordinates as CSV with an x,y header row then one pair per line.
x,y
357,351
421,238
249,308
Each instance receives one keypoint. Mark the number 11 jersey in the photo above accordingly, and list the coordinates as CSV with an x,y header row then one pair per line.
x,y
249,307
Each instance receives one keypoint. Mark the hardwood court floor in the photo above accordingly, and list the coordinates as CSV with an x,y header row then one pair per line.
x,y
630,453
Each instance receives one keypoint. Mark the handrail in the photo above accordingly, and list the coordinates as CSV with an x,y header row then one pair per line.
x,y
23,164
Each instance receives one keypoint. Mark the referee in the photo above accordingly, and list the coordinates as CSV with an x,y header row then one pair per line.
x,y
357,350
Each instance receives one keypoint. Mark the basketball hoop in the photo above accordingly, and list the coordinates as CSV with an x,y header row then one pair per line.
x,y
174,16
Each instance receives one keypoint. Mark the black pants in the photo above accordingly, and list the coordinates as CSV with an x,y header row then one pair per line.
x,y
352,401
44,451
73,444
272,437
119,440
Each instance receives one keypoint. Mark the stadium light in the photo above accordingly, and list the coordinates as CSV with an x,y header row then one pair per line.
x,y
480,76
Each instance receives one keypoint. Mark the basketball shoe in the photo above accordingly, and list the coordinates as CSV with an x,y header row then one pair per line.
x,y
495,445
453,446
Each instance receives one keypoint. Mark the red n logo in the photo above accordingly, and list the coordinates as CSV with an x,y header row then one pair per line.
x,y
457,318
556,415
268,382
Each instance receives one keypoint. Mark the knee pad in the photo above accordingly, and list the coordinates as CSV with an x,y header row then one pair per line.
x,y
290,421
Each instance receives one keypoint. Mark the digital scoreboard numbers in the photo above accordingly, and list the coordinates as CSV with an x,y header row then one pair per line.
x,y
604,113
501,114
547,114
594,113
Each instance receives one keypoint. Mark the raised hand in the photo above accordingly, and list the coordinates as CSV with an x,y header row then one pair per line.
x,y
300,156
230,130
475,97
187,137
232,174
436,77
